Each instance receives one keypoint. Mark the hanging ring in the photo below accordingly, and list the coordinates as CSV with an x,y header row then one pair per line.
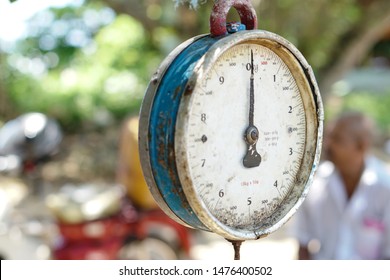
x,y
219,14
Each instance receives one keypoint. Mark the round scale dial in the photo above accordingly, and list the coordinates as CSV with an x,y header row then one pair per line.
x,y
246,135
215,141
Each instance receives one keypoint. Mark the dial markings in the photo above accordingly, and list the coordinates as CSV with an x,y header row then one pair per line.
x,y
223,97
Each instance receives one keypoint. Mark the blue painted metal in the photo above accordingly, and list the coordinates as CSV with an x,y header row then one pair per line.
x,y
233,27
162,129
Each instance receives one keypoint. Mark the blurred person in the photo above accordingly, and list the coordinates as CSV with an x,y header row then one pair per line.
x,y
346,214
129,171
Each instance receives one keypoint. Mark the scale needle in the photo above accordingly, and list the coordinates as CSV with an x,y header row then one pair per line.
x,y
252,157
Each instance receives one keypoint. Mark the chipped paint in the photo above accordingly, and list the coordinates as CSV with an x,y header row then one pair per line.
x,y
173,85
220,10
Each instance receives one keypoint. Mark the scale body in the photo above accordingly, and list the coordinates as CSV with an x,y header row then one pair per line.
x,y
230,129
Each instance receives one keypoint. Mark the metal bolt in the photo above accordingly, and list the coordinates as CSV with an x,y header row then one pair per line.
x,y
252,135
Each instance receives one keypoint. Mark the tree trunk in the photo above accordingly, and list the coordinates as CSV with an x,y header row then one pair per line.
x,y
355,50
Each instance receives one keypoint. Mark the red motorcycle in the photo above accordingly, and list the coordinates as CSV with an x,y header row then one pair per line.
x,y
117,222
99,222
94,221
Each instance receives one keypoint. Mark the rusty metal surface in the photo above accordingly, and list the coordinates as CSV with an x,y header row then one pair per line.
x,y
166,106
157,128
313,105
144,127
220,10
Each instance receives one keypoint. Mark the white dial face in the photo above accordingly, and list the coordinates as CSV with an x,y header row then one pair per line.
x,y
245,136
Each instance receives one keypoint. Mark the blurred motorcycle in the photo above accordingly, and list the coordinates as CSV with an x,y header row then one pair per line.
x,y
84,221
100,221
25,142
97,221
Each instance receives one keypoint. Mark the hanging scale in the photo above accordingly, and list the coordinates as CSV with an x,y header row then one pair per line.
x,y
231,128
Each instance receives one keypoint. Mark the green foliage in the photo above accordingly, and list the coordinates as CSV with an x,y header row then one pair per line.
x,y
375,105
107,74
314,26
78,62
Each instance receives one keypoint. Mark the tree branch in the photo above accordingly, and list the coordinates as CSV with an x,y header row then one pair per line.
x,y
356,48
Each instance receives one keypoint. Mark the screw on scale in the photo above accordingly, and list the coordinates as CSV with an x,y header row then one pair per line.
x,y
236,246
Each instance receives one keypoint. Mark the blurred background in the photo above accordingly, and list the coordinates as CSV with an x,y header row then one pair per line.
x,y
85,65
